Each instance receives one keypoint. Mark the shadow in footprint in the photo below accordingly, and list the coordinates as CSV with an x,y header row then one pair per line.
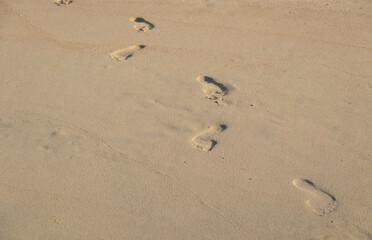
x,y
313,185
214,143
131,54
223,127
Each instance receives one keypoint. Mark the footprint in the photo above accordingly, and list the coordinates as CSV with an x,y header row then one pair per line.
x,y
204,139
320,201
141,25
63,2
213,90
123,54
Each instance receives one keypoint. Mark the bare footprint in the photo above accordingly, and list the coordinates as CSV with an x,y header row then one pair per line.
x,y
213,90
141,25
204,139
320,202
123,54
63,2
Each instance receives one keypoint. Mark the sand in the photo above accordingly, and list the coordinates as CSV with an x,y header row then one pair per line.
x,y
193,119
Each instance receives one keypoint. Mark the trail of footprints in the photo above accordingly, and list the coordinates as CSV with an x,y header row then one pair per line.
x,y
317,200
140,25
215,92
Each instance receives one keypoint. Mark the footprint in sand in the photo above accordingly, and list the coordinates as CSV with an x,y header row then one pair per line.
x,y
204,139
63,2
123,54
141,25
320,202
213,90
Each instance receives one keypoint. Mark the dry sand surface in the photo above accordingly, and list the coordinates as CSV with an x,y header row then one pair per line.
x,y
185,119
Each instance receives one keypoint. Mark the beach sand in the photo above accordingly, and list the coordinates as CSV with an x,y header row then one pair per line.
x,y
193,119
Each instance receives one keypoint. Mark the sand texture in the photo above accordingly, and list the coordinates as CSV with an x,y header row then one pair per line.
x,y
185,119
